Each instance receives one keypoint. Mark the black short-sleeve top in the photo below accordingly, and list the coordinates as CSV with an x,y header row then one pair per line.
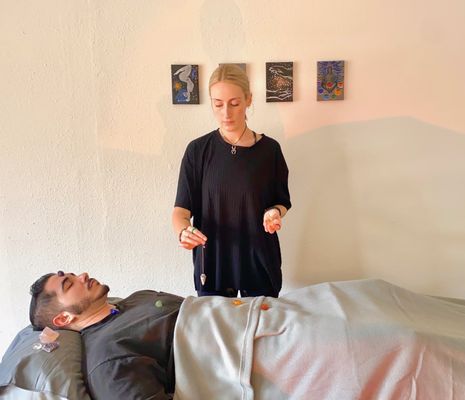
x,y
227,195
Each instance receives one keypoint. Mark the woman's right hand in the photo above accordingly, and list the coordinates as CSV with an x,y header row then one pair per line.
x,y
191,237
272,220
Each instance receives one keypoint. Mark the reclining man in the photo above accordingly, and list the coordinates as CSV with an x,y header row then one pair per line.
x,y
128,348
350,340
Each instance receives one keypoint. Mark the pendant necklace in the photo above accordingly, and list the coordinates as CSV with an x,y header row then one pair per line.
x,y
233,145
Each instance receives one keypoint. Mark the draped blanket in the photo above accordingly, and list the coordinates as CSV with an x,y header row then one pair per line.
x,y
364,339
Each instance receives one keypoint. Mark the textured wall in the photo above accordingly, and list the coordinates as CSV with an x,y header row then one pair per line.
x,y
90,143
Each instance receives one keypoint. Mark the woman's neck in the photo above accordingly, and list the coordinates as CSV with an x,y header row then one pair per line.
x,y
234,137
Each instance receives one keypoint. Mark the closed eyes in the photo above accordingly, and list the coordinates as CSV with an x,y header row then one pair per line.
x,y
232,105
65,283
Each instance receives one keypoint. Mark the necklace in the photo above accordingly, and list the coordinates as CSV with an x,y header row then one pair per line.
x,y
233,145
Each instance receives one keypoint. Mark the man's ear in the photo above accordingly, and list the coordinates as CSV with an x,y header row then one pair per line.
x,y
63,319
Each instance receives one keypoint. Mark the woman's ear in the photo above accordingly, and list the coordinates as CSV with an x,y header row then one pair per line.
x,y
249,100
63,319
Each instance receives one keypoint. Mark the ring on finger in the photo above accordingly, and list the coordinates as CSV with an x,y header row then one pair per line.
x,y
193,229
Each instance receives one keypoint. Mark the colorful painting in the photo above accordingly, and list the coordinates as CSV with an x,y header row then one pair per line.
x,y
185,83
330,80
241,65
279,81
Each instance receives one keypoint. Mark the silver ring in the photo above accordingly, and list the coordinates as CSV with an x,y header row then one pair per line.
x,y
193,229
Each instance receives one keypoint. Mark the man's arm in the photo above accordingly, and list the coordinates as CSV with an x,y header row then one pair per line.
x,y
128,378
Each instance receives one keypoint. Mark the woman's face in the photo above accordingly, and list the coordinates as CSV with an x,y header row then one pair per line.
x,y
229,105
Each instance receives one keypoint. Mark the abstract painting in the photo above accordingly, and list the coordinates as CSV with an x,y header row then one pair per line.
x,y
279,81
185,83
330,80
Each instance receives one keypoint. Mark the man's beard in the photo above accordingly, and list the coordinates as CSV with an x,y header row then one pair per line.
x,y
84,304
105,290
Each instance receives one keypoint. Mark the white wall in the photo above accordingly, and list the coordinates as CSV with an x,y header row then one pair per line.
x,y
90,143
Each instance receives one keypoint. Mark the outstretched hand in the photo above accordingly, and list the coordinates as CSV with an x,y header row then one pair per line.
x,y
272,220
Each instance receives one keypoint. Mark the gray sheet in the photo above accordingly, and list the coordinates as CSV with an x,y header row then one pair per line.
x,y
363,339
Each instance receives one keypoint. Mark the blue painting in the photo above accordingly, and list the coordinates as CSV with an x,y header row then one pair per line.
x,y
185,83
330,80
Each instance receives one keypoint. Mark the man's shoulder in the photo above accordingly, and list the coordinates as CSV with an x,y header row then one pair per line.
x,y
140,314
134,310
142,296
148,304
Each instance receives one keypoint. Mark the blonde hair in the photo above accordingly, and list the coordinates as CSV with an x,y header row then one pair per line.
x,y
233,74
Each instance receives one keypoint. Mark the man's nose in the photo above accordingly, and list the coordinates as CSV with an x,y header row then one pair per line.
x,y
84,277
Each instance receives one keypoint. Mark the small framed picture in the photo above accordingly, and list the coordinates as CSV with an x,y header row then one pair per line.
x,y
330,80
185,83
279,81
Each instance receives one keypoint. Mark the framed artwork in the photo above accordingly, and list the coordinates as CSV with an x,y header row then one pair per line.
x,y
330,80
185,83
241,65
279,81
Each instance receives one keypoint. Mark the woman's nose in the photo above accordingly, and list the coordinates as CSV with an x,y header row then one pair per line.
x,y
84,277
227,111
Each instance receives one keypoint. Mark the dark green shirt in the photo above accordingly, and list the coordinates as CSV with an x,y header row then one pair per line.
x,y
129,355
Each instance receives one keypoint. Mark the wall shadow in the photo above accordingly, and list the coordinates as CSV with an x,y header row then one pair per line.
x,y
379,198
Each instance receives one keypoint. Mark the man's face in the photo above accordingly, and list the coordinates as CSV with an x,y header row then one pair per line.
x,y
77,293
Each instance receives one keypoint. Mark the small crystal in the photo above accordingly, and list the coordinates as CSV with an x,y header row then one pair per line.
x,y
48,335
48,347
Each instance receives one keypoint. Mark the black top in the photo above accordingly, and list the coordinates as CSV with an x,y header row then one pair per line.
x,y
129,354
227,195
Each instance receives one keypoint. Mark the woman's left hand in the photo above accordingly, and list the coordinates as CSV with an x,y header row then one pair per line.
x,y
272,220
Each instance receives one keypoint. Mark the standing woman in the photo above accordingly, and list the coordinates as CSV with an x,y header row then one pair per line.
x,y
233,183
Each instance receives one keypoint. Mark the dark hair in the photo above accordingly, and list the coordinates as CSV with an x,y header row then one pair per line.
x,y
44,305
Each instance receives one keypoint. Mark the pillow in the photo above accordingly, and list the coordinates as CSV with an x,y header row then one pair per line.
x,y
56,374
